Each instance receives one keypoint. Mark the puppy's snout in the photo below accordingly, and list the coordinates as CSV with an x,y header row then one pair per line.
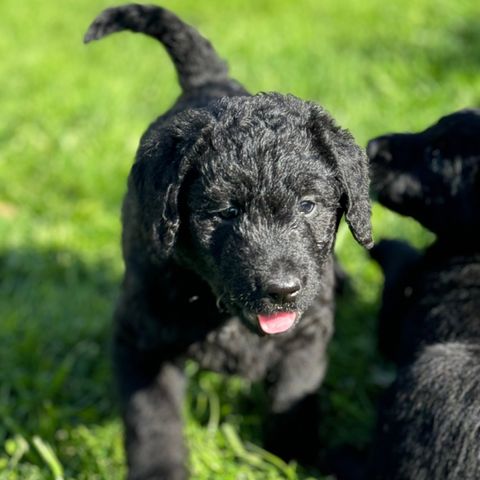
x,y
379,147
283,290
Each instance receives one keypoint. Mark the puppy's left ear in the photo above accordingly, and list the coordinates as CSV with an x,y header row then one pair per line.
x,y
351,163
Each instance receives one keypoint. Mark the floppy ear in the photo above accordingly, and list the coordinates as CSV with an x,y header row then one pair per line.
x,y
164,158
351,162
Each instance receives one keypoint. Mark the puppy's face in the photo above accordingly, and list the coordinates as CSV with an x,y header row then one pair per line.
x,y
259,224
432,176
259,198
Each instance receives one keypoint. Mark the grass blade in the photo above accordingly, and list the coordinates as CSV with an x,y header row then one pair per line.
x,y
49,457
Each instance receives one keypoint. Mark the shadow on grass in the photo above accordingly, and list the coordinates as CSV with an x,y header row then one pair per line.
x,y
55,311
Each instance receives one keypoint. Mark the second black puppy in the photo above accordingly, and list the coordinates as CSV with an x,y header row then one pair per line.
x,y
229,222
429,426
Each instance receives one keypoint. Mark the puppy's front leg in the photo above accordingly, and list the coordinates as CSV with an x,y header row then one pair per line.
x,y
152,396
293,423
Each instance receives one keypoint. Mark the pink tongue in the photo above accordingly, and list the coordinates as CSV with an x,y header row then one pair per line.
x,y
277,322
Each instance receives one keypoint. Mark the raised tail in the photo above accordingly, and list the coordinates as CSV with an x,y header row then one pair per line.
x,y
195,59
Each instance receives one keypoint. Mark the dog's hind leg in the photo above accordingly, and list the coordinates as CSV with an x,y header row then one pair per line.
x,y
398,260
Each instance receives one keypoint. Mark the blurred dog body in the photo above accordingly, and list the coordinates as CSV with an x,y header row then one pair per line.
x,y
429,423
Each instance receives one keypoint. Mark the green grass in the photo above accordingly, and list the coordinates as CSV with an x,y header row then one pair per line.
x,y
70,120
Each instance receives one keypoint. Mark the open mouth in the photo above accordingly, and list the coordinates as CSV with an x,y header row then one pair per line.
x,y
277,322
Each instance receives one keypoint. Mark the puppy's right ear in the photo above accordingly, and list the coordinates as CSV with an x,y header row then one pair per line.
x,y
164,158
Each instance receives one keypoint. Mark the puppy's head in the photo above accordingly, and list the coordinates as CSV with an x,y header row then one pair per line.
x,y
249,194
432,176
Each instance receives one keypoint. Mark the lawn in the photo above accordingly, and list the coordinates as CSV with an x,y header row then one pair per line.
x,y
70,120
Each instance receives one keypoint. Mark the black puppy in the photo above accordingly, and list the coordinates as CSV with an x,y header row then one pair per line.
x,y
429,427
229,221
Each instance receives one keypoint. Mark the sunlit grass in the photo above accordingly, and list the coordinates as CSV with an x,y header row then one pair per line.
x,y
70,120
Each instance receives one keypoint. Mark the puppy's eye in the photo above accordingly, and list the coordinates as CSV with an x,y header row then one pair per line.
x,y
229,213
306,207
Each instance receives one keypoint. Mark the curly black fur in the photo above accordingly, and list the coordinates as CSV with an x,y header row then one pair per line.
x,y
429,426
231,212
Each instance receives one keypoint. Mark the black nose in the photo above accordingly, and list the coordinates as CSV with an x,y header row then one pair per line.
x,y
283,290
